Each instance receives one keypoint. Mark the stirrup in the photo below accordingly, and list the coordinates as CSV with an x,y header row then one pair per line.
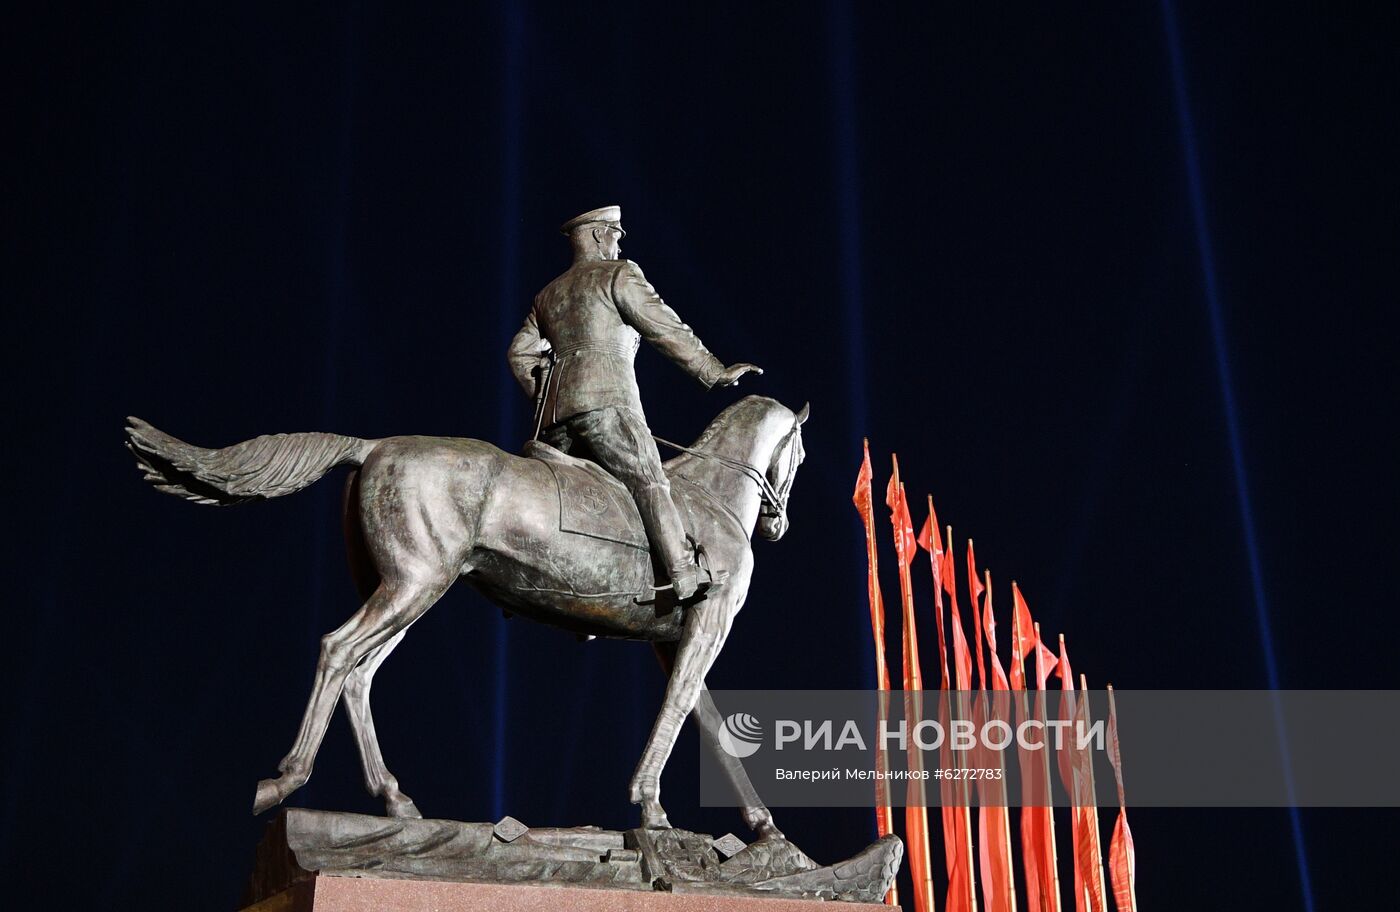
x,y
704,579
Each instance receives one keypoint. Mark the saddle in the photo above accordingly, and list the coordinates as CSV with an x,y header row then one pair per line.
x,y
591,502
594,503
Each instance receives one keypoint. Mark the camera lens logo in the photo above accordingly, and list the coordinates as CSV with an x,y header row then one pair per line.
x,y
740,736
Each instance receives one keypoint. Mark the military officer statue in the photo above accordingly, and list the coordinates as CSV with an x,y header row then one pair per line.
x,y
574,357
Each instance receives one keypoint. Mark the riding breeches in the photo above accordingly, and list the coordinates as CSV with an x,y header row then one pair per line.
x,y
618,440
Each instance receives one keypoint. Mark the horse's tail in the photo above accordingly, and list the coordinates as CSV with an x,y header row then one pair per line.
x,y
267,466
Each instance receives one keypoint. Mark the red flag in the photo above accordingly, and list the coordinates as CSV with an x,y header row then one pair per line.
x,y
1044,665
960,887
957,835
915,808
957,818
862,500
1022,637
948,577
904,531
1064,671
974,589
1065,758
1088,852
1122,865
993,814
962,657
1115,752
884,814
1085,848
1030,855
1045,661
905,544
961,897
1037,821
1122,858
1025,638
1037,829
999,681
930,541
957,814
994,857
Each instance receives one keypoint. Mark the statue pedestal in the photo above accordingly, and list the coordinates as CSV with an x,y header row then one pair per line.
x,y
321,861
328,893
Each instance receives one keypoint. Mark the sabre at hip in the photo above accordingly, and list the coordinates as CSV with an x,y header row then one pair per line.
x,y
546,370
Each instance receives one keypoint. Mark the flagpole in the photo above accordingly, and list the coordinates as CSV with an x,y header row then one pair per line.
x,y
1036,898
973,584
1049,804
915,812
1117,771
935,564
884,813
957,755
1128,867
950,813
993,836
1001,761
1068,760
1093,810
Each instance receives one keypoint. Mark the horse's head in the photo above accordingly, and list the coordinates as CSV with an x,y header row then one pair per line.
x,y
782,469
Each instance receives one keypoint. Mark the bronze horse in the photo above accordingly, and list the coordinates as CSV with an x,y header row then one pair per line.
x,y
422,511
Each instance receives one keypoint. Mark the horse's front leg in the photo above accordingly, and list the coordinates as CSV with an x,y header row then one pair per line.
x,y
756,815
706,625
707,716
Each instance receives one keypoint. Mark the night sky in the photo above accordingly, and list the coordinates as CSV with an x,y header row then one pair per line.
x,y
1113,280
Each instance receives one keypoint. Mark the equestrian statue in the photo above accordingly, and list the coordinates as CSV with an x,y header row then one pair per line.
x,y
587,530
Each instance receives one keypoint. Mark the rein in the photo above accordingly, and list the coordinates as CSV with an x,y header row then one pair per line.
x,y
767,494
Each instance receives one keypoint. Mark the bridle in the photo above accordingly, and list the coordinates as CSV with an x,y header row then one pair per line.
x,y
789,474
773,503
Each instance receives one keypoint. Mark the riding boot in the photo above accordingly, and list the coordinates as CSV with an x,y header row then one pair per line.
x,y
664,530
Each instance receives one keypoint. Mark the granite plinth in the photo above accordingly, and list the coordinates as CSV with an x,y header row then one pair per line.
x,y
328,893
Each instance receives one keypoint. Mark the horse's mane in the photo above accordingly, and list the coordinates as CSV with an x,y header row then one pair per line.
x,y
732,413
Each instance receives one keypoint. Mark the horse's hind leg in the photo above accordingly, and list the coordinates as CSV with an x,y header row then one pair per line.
x,y
390,610
378,779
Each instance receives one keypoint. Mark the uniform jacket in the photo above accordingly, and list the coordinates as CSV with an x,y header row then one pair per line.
x,y
590,322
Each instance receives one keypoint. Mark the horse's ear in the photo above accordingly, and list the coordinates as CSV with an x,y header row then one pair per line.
x,y
802,415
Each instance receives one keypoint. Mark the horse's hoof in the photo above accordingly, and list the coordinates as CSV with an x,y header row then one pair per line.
x,y
268,796
402,807
767,830
760,820
654,818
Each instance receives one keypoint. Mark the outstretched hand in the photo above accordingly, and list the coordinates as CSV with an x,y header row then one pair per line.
x,y
731,374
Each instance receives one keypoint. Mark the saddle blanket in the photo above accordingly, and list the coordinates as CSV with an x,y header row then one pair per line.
x,y
591,502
